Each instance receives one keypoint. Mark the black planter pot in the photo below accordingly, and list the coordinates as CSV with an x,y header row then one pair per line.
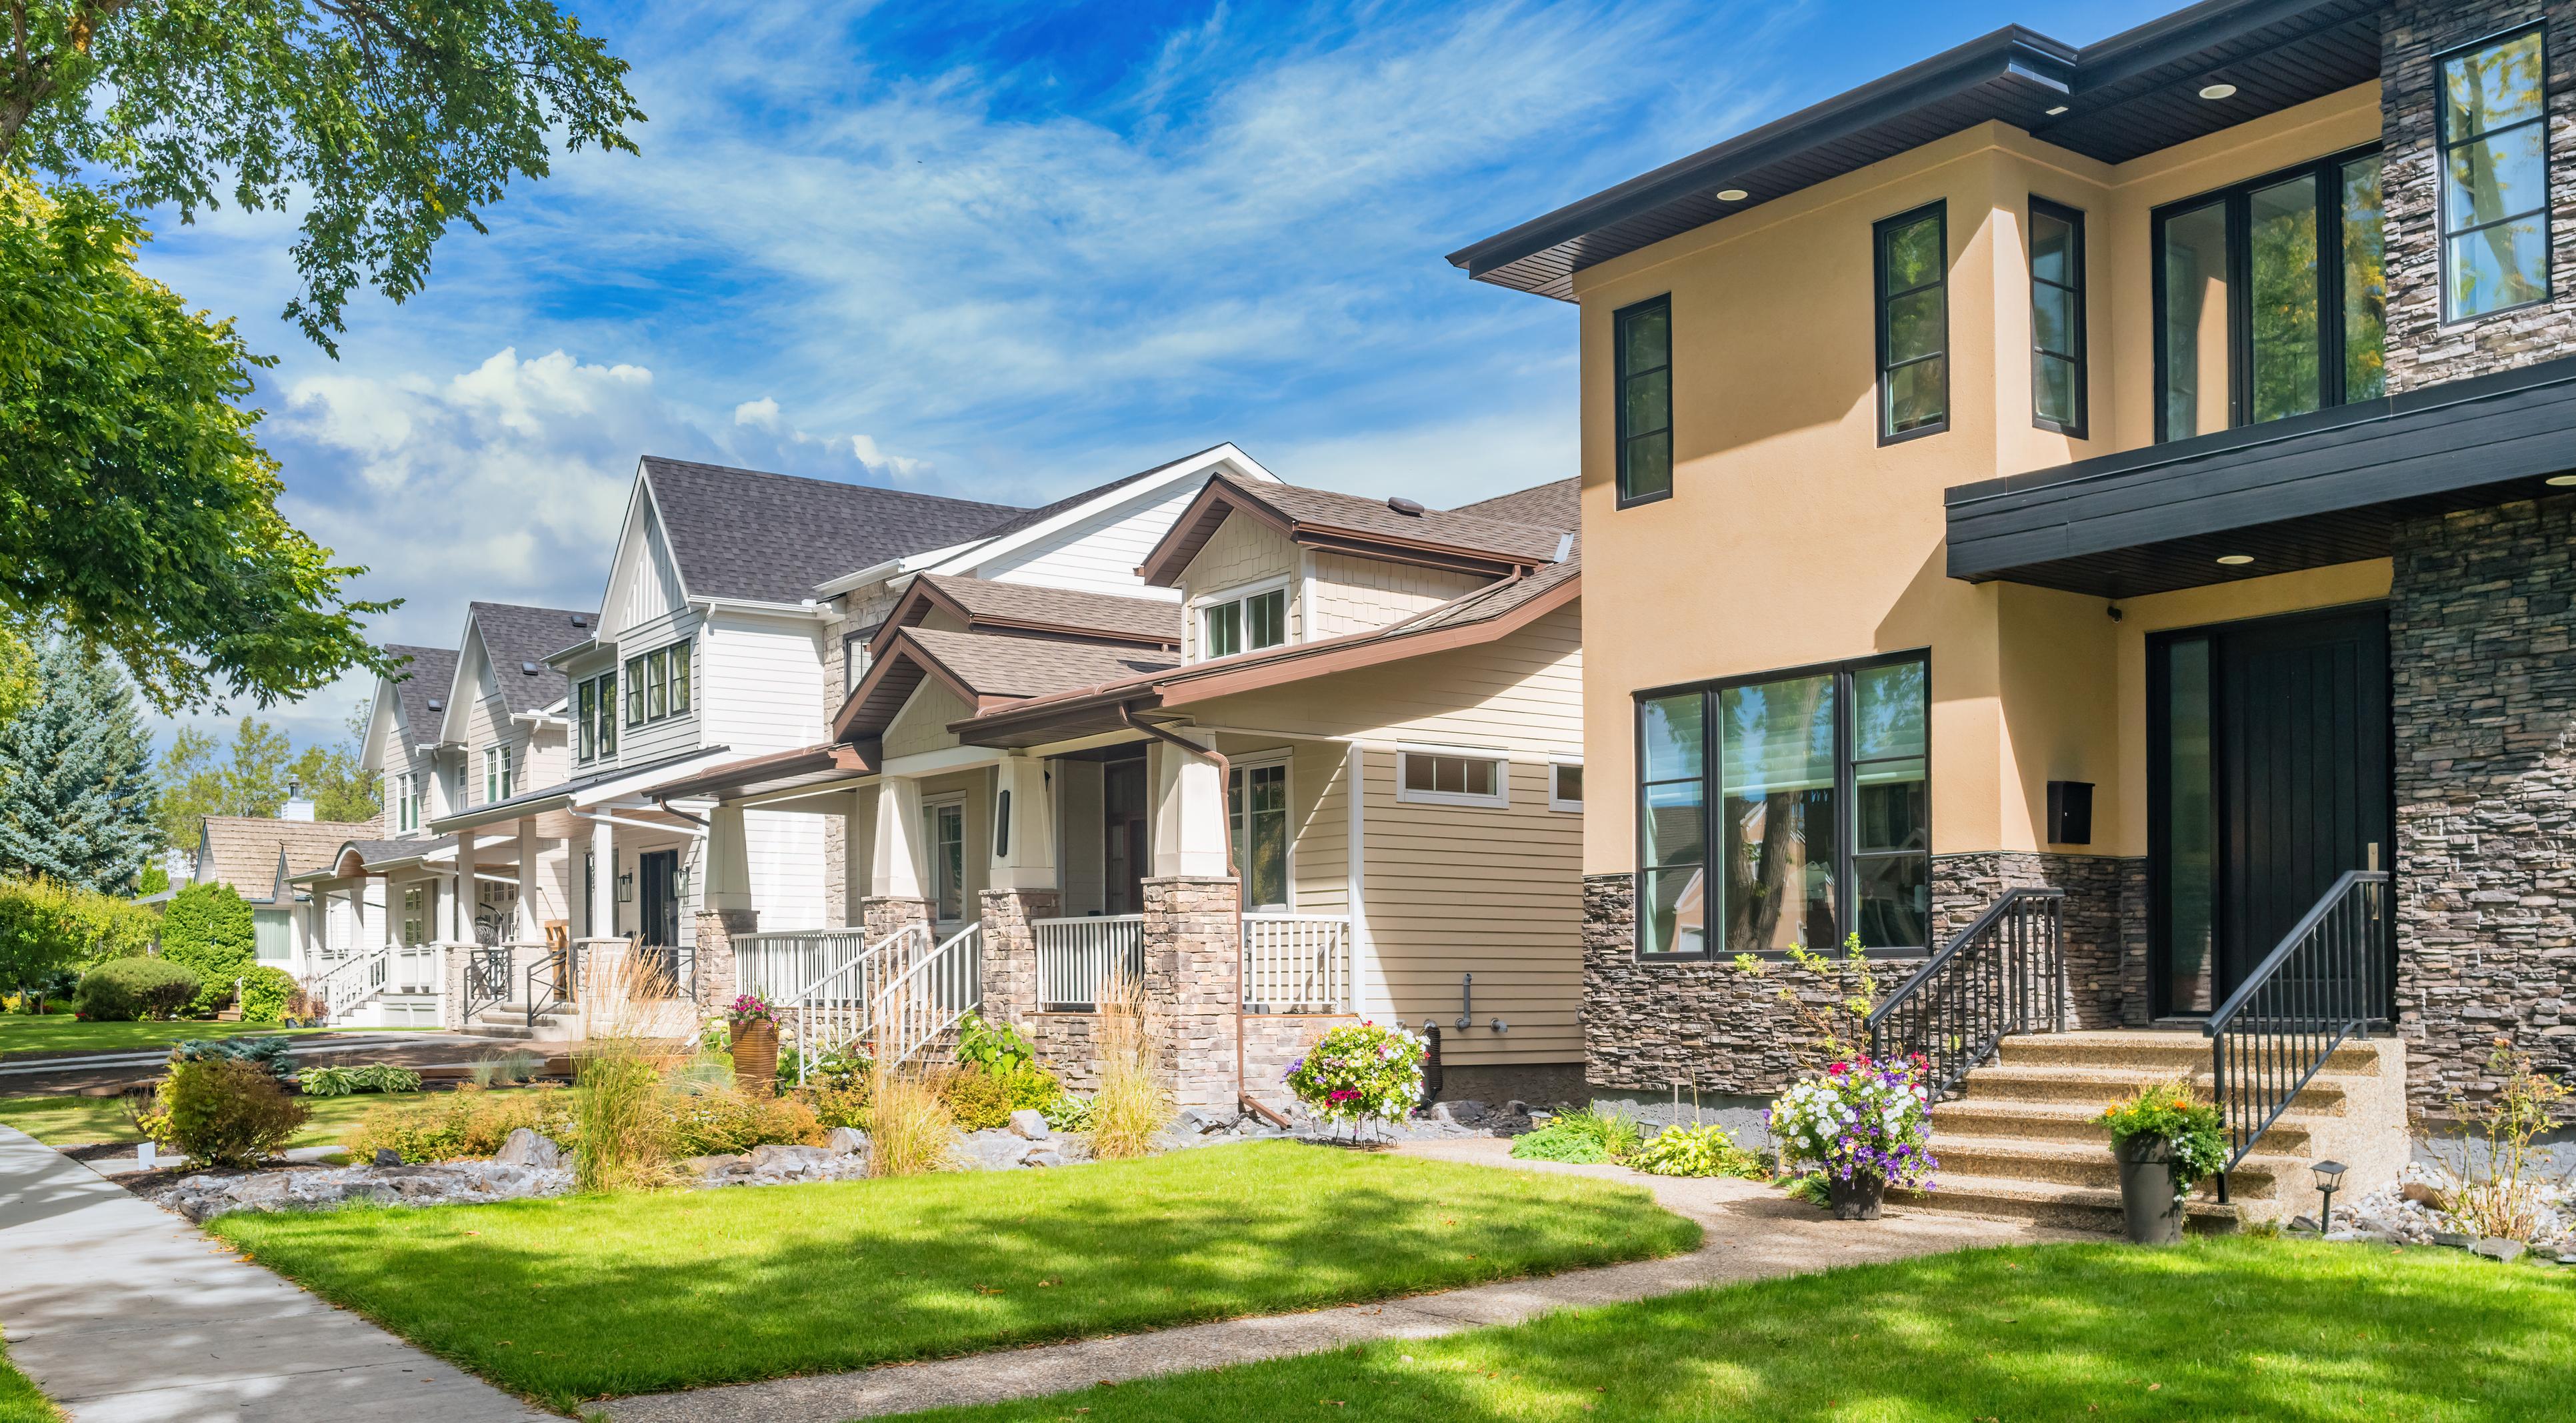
x,y
2154,1216
1857,1198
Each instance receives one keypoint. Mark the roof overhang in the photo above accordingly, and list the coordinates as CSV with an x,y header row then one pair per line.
x,y
925,594
617,784
890,682
779,770
2304,492
1222,498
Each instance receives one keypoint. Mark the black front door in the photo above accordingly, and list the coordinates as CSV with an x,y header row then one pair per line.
x,y
1122,793
657,876
2269,777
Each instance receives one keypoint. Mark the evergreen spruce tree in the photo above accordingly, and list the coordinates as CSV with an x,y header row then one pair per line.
x,y
76,787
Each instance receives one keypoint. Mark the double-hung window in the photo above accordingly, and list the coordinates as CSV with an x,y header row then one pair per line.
x,y
1257,810
1245,624
1786,809
1642,338
2271,298
417,902
407,801
2494,117
497,777
607,714
595,716
679,654
2057,370
634,691
657,688
1913,274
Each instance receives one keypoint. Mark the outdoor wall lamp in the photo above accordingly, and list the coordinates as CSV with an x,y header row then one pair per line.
x,y
2329,1175
626,888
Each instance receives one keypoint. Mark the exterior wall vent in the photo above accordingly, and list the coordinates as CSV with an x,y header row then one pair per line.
x,y
1405,506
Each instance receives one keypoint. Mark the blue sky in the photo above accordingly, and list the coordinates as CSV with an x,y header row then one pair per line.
x,y
1007,251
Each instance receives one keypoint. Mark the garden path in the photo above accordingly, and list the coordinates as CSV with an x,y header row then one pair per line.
x,y
125,1313
1752,1231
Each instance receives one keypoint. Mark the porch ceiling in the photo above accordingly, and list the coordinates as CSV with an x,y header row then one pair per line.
x,y
2305,492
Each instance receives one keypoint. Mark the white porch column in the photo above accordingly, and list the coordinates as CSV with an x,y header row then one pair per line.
x,y
1368,990
1023,846
897,868
527,929
1189,815
728,861
603,880
463,918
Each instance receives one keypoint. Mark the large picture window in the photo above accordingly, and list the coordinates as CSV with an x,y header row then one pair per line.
x,y
2494,116
1641,339
1819,782
2271,298
1913,274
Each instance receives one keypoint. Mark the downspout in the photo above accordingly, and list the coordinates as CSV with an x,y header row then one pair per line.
x,y
669,809
1225,780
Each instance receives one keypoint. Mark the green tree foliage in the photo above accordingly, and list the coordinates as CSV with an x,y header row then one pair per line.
x,y
123,990
340,788
201,776
76,802
153,880
210,929
48,927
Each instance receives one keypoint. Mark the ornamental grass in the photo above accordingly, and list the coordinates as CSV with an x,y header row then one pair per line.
x,y
1134,1102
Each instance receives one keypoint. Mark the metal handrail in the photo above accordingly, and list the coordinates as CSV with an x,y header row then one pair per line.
x,y
487,978
2319,987
929,997
563,967
1985,985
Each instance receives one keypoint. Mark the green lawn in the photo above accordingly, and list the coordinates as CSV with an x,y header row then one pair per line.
x,y
19,1400
70,1121
2237,1328
61,1032
573,1299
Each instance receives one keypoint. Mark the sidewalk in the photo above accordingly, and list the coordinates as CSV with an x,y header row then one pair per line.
x,y
124,1313
1752,1232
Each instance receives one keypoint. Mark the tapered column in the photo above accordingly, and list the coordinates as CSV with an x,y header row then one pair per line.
x,y
898,863
462,920
1189,815
1023,825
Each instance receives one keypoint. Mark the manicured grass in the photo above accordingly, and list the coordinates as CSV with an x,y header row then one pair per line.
x,y
70,1121
19,1400
2220,1329
572,1299
61,1032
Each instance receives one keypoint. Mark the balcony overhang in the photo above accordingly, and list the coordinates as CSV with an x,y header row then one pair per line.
x,y
2304,492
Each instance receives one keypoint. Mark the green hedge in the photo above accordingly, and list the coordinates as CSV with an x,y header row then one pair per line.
x,y
122,990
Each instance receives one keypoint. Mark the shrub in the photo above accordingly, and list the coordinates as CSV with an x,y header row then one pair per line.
x,y
463,1123
227,1111
620,1102
909,1129
343,1081
48,928
709,1123
1132,1105
268,1054
994,1047
1709,1150
1583,1138
838,1106
518,1065
267,991
122,990
1070,1111
2498,1183
1361,1071
209,928
2172,1112
976,1098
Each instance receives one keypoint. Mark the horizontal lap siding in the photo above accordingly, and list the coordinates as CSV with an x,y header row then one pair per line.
x,y
1101,553
1240,551
757,682
641,745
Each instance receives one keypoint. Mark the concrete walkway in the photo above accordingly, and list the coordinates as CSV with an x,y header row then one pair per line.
x,y
1752,1232
124,1313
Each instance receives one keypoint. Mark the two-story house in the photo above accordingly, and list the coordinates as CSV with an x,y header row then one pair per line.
x,y
2134,474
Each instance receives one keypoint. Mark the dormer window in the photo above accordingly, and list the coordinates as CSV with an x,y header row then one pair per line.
x,y
1243,624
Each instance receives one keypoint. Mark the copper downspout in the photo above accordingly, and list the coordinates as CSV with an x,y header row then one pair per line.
x,y
1225,779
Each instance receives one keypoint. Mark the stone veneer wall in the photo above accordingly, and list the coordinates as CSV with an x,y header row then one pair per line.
x,y
2483,673
1271,1041
1194,980
711,968
1706,1023
2421,350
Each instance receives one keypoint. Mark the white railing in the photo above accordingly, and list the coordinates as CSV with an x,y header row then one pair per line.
x,y
352,982
419,968
778,965
1296,963
832,1012
1075,956
920,1005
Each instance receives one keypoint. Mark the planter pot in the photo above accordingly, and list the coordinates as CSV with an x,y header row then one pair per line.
x,y
1858,1198
2147,1201
755,1058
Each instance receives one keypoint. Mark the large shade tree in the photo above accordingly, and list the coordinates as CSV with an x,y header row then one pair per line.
x,y
135,506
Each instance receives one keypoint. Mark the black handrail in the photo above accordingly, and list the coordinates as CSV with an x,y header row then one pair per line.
x,y
487,978
2323,984
562,968
2003,974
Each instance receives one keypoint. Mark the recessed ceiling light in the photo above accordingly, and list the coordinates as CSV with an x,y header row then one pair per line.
x,y
1732,195
2218,91
2056,111
2563,481
2235,560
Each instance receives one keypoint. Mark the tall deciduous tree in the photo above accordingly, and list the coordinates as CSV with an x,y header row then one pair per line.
x,y
77,803
202,775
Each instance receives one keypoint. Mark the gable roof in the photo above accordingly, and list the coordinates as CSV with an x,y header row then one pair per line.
x,y
1347,523
773,538
252,853
984,668
1029,608
426,679
1557,504
517,637
2132,94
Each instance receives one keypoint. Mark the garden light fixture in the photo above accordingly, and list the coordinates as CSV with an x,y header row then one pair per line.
x,y
2329,1175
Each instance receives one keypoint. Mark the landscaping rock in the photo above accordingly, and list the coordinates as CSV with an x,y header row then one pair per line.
x,y
844,1140
1042,1157
525,1147
710,1167
2453,1239
203,1197
1031,1123
992,1149
387,1156
2498,1248
2425,1194
1467,1113
1201,1121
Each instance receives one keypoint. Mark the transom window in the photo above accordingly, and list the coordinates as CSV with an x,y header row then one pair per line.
x,y
2495,177
1452,778
1257,810
1913,268
1245,624
1642,338
2271,298
2057,369
1819,782
657,684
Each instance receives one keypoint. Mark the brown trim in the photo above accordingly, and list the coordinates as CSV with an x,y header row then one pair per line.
x,y
925,594
775,765
908,651
1221,498
1217,500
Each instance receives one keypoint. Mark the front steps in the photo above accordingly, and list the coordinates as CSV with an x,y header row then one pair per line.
x,y
554,1022
2021,1140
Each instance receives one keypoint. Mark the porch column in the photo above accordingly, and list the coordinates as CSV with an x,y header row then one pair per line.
x,y
725,907
1023,825
1194,979
526,928
1010,953
603,880
898,869
463,917
1189,815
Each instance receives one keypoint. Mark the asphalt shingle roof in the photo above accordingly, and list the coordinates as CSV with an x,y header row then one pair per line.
x,y
515,636
1451,528
1106,613
771,538
425,679
997,665
1045,512
1557,504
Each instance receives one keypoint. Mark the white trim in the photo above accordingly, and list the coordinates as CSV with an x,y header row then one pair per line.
x,y
1194,468
1501,799
1355,873
1554,801
595,817
1284,757
1194,628
1305,596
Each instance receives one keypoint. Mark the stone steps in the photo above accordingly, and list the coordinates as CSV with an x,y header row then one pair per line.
x,y
2088,1164
2053,1204
2173,1054
2103,1085
510,1022
2074,1122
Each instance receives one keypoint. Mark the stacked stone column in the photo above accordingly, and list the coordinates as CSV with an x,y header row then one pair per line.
x,y
1194,982
1010,967
714,973
882,915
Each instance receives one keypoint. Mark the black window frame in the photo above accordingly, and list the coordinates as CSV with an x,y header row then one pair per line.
x,y
585,721
2442,145
634,681
1713,799
1621,436
1880,297
608,684
854,656
2238,197
2080,336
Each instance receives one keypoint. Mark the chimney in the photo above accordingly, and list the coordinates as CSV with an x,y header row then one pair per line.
x,y
296,807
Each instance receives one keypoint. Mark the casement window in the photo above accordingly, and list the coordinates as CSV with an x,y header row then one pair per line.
x,y
1245,624
1440,776
680,669
1786,809
595,716
657,689
2271,298
658,684
498,776
1641,338
1565,786
2057,368
854,656
1913,274
944,830
2494,120
407,801
1257,814
634,691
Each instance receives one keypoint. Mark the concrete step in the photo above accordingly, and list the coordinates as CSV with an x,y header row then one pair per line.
x,y
2063,1206
2168,1053
2073,1122
2069,1163
2106,1085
